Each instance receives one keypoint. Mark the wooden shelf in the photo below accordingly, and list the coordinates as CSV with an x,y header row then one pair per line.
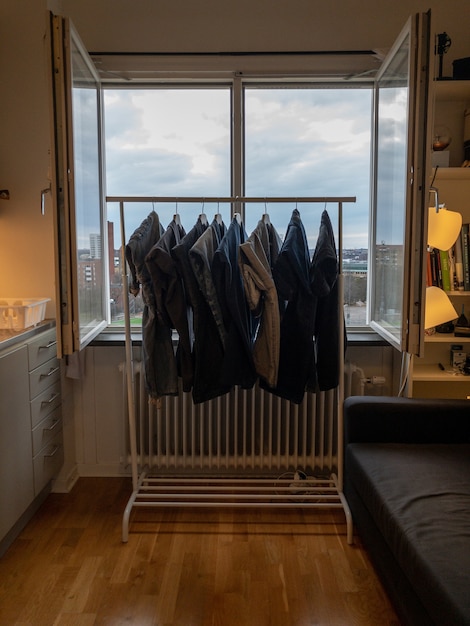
x,y
443,338
433,373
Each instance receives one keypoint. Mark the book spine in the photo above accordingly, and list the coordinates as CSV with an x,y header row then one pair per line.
x,y
446,282
459,264
465,257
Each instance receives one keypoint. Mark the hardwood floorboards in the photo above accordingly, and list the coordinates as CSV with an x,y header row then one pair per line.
x,y
183,567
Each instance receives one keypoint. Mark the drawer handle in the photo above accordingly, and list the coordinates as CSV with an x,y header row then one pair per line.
x,y
49,345
53,425
53,453
52,371
51,399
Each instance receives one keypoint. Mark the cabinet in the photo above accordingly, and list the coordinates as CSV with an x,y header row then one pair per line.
x,y
31,446
45,409
427,378
16,470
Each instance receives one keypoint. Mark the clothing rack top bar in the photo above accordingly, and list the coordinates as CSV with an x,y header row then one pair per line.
x,y
229,199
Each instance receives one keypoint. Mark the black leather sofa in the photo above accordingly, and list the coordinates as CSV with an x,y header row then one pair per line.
x,y
407,482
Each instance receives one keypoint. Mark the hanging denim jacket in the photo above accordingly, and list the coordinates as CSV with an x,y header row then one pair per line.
x,y
207,349
291,276
140,243
323,276
237,367
170,313
209,335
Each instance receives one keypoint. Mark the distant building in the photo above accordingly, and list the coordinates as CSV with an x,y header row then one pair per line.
x,y
96,248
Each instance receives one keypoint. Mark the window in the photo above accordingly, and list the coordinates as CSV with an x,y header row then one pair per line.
x,y
298,140
207,124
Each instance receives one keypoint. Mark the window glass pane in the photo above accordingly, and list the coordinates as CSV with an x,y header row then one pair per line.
x,y
164,142
88,202
393,92
310,141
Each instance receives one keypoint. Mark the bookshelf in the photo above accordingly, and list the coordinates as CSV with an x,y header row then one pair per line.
x,y
427,378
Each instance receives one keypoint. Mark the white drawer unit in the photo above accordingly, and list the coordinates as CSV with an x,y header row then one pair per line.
x,y
44,376
42,348
45,409
31,438
48,461
45,431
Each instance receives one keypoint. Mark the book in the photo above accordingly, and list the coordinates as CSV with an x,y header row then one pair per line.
x,y
465,256
446,282
458,264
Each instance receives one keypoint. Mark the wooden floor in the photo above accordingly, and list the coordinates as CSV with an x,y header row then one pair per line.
x,y
198,567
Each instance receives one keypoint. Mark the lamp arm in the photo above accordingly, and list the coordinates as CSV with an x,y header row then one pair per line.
x,y
435,191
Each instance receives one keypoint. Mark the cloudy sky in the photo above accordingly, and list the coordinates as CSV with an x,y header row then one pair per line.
x,y
298,142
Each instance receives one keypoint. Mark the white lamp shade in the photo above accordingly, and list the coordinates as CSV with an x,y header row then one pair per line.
x,y
439,308
443,228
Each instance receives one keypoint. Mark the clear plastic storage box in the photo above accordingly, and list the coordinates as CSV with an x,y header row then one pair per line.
x,y
19,313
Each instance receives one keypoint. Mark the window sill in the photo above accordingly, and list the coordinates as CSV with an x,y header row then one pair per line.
x,y
366,338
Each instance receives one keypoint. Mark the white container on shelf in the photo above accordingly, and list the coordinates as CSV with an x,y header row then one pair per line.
x,y
20,313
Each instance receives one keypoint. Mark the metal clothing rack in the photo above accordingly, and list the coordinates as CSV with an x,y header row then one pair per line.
x,y
149,491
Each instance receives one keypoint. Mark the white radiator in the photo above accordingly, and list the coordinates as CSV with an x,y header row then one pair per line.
x,y
251,431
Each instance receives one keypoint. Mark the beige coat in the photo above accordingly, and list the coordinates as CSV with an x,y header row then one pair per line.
x,y
256,258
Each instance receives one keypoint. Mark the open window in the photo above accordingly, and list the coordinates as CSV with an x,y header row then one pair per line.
x,y
400,185
77,189
400,192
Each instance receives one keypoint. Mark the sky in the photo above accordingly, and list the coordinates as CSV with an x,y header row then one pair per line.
x,y
298,142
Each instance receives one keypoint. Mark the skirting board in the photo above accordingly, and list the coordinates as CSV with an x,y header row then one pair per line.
x,y
64,484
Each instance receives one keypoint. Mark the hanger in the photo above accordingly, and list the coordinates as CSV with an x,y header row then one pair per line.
x,y
203,216
265,216
238,217
218,216
176,216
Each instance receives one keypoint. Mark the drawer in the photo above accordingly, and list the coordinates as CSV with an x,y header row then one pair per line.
x,y
43,348
43,377
46,430
47,463
45,403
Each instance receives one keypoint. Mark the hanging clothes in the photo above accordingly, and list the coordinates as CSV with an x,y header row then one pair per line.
x,y
140,243
256,262
207,349
200,257
170,314
291,277
237,367
325,289
207,382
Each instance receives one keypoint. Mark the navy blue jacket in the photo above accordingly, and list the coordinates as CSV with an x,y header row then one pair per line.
x,y
325,289
140,243
207,349
237,367
291,277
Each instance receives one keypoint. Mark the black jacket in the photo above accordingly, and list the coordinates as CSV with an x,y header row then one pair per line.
x,y
207,350
325,289
291,276
238,367
140,243
170,313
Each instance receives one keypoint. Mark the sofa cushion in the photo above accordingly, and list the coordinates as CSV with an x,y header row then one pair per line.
x,y
419,498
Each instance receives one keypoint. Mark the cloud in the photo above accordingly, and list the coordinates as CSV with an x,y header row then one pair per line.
x,y
299,142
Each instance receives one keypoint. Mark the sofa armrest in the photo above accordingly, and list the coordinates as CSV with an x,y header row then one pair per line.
x,y
372,419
